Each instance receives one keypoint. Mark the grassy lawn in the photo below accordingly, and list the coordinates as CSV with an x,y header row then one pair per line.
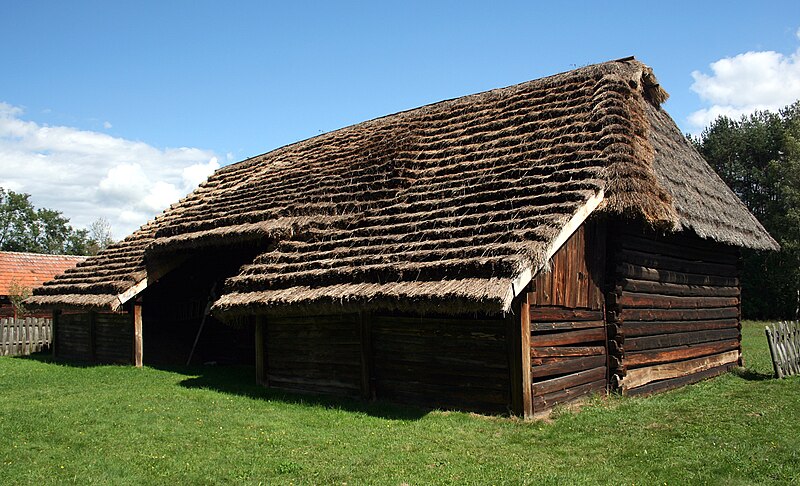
x,y
111,424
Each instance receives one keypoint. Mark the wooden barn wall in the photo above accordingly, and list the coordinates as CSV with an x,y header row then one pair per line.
x,y
568,353
673,309
320,354
453,362
95,337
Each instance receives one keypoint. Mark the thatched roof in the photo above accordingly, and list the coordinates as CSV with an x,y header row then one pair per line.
x,y
451,207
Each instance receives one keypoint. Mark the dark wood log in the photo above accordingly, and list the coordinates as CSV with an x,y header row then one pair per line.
x,y
660,275
677,314
665,385
550,351
564,325
545,402
681,290
657,301
568,337
569,381
679,339
565,366
551,314
678,353
648,328
679,249
676,264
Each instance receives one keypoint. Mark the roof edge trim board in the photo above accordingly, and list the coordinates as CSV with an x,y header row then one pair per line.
x,y
524,278
130,293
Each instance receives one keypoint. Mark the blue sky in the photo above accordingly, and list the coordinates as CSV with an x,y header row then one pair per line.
x,y
125,106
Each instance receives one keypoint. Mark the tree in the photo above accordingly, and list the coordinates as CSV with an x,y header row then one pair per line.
x,y
758,156
25,228
99,236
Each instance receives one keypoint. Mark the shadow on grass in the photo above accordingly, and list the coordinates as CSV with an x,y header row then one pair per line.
x,y
751,375
240,380
47,357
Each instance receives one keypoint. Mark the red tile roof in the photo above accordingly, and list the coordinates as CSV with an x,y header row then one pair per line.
x,y
32,269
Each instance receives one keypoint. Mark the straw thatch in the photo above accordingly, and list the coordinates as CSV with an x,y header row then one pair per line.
x,y
441,208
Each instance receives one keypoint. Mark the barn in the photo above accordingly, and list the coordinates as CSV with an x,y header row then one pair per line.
x,y
500,252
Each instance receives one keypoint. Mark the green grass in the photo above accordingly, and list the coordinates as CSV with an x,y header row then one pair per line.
x,y
110,424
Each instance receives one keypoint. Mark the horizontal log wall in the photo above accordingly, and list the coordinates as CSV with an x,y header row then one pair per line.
x,y
455,363
568,353
673,309
95,337
320,354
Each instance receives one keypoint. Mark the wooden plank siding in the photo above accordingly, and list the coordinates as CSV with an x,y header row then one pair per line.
x,y
320,354
673,309
446,362
568,351
434,362
95,337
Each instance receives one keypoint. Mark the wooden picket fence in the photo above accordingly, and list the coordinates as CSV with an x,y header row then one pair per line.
x,y
25,335
784,347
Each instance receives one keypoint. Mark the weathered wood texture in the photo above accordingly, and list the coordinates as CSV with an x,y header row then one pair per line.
x,y
568,353
672,308
435,362
320,354
95,337
24,335
453,362
784,347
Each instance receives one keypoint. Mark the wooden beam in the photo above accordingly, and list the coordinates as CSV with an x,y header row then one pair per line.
x,y
137,335
525,355
261,350
131,292
642,376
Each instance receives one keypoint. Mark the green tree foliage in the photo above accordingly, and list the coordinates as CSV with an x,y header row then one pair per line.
x,y
759,157
25,228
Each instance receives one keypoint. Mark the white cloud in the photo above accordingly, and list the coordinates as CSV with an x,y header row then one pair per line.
x,y
740,85
107,125
87,175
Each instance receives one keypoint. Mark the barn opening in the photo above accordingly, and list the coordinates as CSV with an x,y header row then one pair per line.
x,y
175,324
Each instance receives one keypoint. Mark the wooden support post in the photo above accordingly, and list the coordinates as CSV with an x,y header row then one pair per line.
x,y
366,356
525,354
54,332
137,334
92,318
261,350
519,341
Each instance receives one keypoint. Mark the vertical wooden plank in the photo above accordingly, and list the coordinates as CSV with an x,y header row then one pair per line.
x,y
514,347
525,350
3,337
367,391
261,350
137,335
